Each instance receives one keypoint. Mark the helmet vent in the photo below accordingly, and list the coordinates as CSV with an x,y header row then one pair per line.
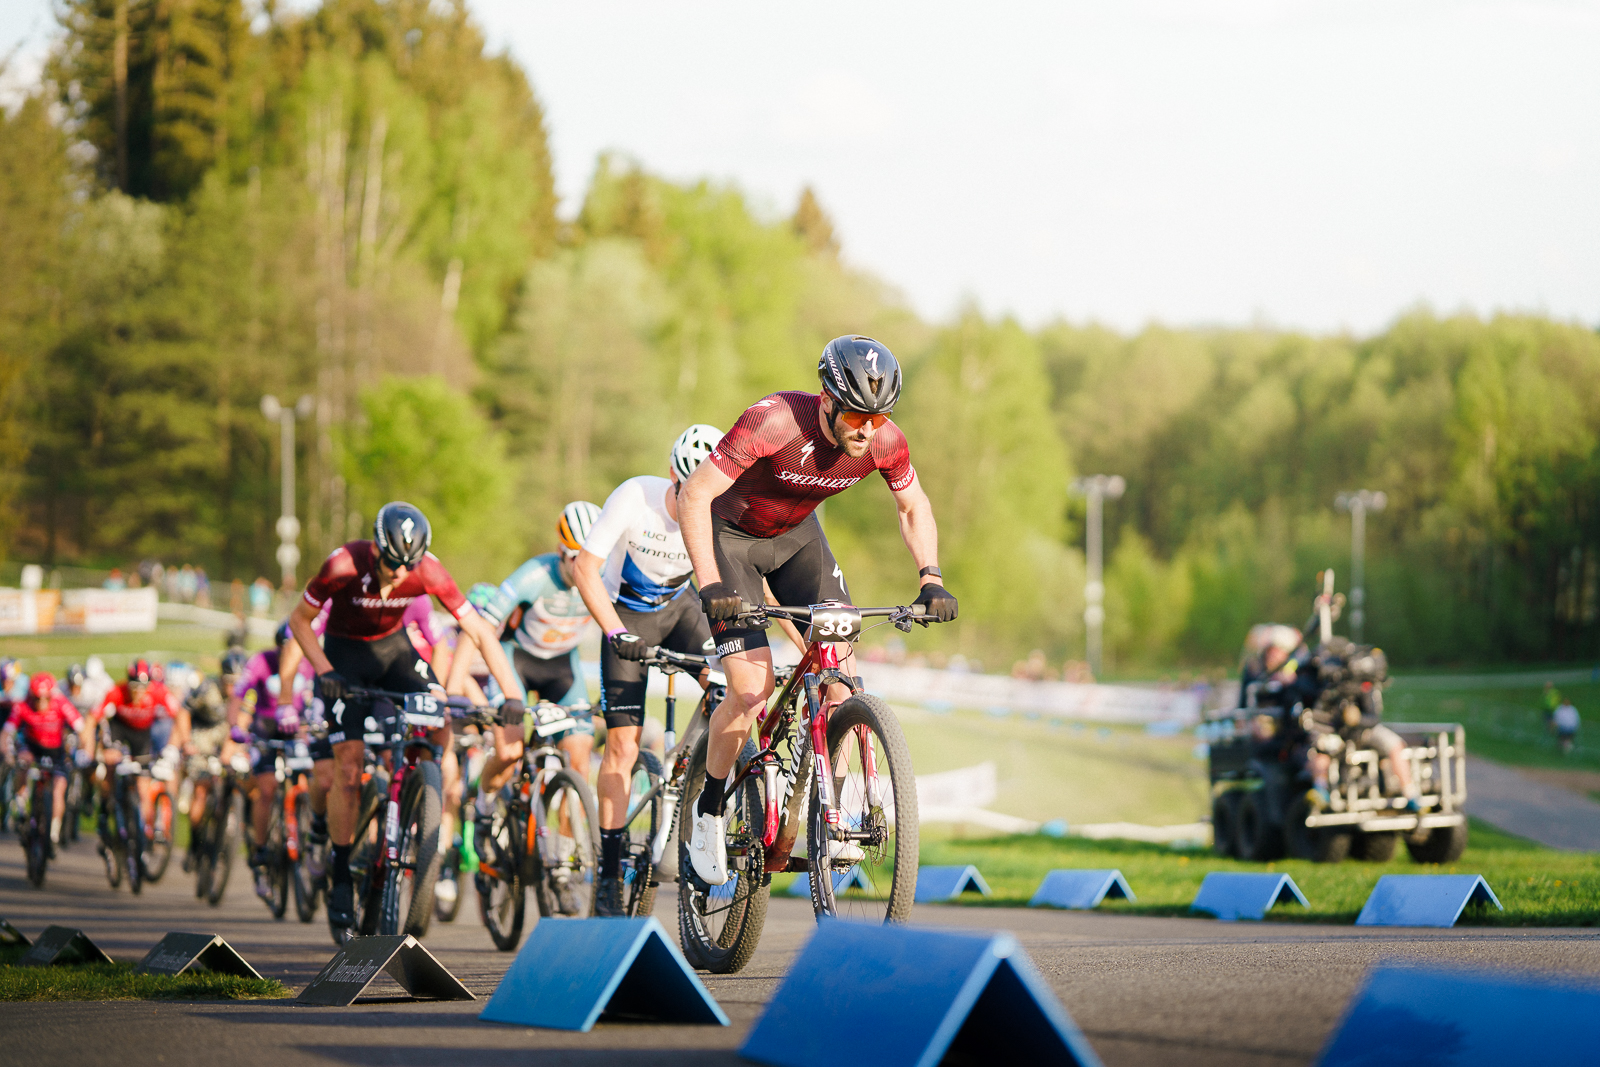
x,y
874,383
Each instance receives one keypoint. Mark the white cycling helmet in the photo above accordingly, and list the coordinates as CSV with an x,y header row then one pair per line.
x,y
692,447
577,519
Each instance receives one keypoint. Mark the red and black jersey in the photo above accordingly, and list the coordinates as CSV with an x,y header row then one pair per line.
x,y
783,466
137,712
348,583
44,728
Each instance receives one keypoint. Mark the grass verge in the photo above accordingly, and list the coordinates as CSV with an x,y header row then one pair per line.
x,y
117,981
1538,886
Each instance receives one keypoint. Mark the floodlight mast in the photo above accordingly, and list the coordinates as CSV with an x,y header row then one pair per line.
x,y
288,527
1358,502
1096,489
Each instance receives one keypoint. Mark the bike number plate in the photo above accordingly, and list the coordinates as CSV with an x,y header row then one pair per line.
x,y
551,719
424,709
831,622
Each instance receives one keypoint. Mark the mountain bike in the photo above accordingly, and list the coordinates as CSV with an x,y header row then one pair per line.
x,y
33,827
288,760
161,831
294,801
217,829
650,848
121,823
545,832
859,808
395,867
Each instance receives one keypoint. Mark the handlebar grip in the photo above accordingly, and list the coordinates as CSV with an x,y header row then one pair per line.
x,y
918,610
652,651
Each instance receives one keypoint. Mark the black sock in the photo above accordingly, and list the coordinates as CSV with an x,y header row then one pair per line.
x,y
611,852
711,796
341,863
319,824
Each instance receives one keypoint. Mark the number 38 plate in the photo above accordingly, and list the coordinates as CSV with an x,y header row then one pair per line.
x,y
831,622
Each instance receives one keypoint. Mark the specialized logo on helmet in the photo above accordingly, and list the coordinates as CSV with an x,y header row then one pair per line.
x,y
872,358
406,526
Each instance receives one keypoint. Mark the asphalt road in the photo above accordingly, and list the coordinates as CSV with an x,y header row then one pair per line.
x,y
1144,990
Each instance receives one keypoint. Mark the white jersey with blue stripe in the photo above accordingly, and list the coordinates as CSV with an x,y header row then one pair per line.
x,y
647,565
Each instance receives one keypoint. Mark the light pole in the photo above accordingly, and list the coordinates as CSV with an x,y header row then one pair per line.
x,y
1096,488
1358,503
288,525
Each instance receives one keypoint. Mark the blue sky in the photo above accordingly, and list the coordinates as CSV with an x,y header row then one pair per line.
x,y
1306,164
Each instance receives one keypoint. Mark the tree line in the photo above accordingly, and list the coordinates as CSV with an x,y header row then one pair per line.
x,y
356,204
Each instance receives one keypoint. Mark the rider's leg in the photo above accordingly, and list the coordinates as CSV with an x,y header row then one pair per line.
x,y
148,788
749,676
615,785
58,806
498,767
450,782
344,804
266,791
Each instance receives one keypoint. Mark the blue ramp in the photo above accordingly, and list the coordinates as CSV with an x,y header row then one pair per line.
x,y
894,996
854,878
1424,899
571,971
946,883
1080,889
1451,1018
1230,895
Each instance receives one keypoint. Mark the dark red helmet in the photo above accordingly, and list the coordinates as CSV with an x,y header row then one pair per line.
x,y
42,684
139,671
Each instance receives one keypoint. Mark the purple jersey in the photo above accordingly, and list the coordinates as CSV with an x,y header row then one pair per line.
x,y
261,678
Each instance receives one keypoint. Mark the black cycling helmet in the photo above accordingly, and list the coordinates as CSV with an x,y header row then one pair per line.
x,y
282,634
861,374
76,676
402,534
234,662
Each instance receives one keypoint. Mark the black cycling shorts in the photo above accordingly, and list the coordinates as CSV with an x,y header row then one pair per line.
x,y
679,625
138,741
798,565
390,663
60,762
544,679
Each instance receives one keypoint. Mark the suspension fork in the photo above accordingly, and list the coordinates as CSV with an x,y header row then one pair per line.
x,y
291,825
391,821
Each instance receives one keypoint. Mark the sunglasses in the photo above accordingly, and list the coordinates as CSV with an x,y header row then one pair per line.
x,y
857,419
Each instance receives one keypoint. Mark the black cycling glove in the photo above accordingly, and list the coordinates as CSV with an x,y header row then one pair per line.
x,y
332,686
720,601
629,646
940,604
511,712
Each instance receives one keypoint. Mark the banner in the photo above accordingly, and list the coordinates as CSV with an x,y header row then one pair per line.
x,y
108,611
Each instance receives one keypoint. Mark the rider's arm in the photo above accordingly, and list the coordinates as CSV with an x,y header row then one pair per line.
x,y
458,679
586,576
289,658
300,620
917,527
694,517
483,632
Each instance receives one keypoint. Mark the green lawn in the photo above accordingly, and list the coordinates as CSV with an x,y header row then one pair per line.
x,y
1505,725
117,981
169,641
1538,886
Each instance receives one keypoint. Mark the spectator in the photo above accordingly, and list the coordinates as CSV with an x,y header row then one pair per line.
x,y
115,580
202,588
1565,719
186,584
1551,701
260,597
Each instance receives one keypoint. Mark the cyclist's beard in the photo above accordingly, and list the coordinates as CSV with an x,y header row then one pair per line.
x,y
852,442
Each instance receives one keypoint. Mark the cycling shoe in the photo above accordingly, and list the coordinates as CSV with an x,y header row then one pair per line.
x,y
608,899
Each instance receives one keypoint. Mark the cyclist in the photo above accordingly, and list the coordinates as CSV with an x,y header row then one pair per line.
x,y
639,602
127,713
541,618
368,585
748,514
254,706
43,719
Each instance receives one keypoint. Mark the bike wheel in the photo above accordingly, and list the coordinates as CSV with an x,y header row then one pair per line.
x,y
278,864
158,849
133,829
502,898
306,890
446,906
229,832
720,926
202,833
640,877
407,904
568,841
877,811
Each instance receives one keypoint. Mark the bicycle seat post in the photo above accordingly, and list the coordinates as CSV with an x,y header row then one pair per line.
x,y
671,734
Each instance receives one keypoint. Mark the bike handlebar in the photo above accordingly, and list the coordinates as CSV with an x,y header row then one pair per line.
x,y
758,613
656,656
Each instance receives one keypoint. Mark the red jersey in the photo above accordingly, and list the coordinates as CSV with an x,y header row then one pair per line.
x,y
43,728
783,466
348,583
137,713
